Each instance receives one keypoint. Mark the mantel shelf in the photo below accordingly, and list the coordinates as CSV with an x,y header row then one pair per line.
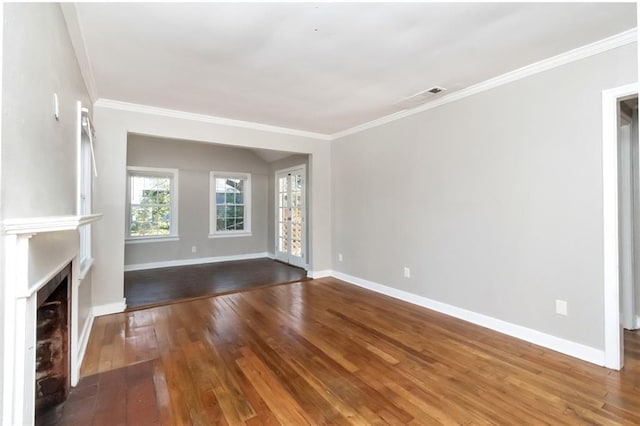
x,y
36,225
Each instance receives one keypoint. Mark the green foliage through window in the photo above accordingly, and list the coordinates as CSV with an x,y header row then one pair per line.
x,y
150,206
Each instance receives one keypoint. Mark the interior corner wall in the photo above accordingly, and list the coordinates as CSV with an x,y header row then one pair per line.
x,y
194,161
494,201
291,161
112,128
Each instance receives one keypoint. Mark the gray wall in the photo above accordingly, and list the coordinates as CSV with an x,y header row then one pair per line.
x,y
291,161
195,161
494,201
39,153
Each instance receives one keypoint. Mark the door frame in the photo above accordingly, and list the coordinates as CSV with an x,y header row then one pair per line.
x,y
304,261
613,338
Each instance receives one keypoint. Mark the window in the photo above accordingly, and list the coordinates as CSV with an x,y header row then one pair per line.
x,y
230,204
86,171
152,203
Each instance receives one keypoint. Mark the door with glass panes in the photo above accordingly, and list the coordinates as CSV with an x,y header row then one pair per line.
x,y
290,216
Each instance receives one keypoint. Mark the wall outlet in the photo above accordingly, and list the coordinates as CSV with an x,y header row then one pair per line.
x,y
407,272
194,249
561,307
339,257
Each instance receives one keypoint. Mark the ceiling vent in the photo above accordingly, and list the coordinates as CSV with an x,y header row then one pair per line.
x,y
420,97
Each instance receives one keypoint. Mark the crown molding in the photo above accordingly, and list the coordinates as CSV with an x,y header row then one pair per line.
x,y
609,43
579,53
172,113
74,28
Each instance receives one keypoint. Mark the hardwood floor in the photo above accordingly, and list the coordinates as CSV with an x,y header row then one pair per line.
x,y
153,287
325,352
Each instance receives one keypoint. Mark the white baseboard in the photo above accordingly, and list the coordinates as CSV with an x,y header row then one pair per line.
x,y
320,274
637,321
567,347
197,261
110,308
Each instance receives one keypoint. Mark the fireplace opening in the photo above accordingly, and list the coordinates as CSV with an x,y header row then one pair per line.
x,y
52,348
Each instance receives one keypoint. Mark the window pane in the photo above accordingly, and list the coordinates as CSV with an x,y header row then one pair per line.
x,y
240,212
219,198
282,184
240,198
230,199
296,231
296,248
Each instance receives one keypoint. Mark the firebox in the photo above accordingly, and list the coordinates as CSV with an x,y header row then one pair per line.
x,y
52,378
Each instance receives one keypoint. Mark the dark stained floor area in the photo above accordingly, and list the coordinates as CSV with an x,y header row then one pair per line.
x,y
325,352
153,287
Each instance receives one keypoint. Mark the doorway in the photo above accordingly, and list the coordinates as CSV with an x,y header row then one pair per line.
x,y
290,215
629,212
620,194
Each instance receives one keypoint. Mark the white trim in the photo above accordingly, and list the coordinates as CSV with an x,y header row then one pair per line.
x,y
83,340
84,269
230,234
183,115
320,274
577,54
152,239
109,308
558,344
35,225
612,334
196,261
637,322
76,34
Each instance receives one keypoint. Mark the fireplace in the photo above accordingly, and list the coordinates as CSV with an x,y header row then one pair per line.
x,y
52,366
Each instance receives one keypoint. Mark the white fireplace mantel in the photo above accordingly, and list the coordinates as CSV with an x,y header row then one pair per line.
x,y
35,225
20,310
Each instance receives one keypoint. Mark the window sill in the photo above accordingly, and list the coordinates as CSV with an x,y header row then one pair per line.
x,y
230,234
85,267
159,239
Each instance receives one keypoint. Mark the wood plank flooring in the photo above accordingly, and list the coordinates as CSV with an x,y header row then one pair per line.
x,y
154,287
325,352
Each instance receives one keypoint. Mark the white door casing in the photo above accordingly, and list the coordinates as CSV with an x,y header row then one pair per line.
x,y
613,342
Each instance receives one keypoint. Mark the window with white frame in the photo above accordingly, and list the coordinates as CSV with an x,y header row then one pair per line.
x,y
230,204
152,203
86,170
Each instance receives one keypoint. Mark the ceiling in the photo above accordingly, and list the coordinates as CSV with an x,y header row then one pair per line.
x,y
322,67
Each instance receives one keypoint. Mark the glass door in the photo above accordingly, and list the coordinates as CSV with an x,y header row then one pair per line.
x,y
290,216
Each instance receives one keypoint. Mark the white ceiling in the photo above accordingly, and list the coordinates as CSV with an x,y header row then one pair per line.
x,y
322,67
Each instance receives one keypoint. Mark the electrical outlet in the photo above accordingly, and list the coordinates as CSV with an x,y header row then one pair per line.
x,y
561,307
194,249
407,272
339,257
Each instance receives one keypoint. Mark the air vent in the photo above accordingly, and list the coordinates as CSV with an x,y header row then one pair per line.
x,y
420,97
436,90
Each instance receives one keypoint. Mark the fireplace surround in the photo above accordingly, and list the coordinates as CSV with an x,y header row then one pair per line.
x,y
37,250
